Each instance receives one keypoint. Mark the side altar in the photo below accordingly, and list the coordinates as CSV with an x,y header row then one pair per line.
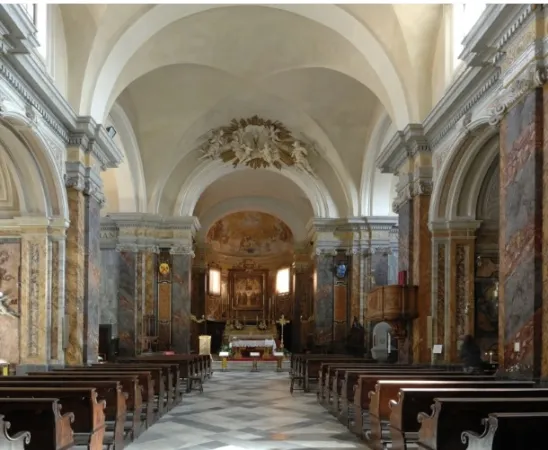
x,y
242,339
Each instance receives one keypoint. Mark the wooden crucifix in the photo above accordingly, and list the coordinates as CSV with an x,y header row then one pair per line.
x,y
282,321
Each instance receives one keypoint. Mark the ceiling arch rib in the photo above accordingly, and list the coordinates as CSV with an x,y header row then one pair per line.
x,y
210,171
330,16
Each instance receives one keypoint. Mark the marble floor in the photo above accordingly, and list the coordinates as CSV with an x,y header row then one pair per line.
x,y
247,411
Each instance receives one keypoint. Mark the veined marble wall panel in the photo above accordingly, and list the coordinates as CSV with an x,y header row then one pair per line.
x,y
34,340
405,230
10,261
110,273
520,306
379,266
355,288
93,278
127,293
323,299
180,303
75,283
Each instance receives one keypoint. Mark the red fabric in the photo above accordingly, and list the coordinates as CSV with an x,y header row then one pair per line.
x,y
169,353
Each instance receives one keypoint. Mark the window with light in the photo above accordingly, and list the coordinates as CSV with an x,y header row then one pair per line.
x,y
38,13
214,278
282,281
465,16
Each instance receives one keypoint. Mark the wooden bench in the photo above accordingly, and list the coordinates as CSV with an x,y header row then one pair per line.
x,y
310,367
109,391
450,417
510,431
413,397
89,417
42,418
170,375
366,383
16,442
343,383
325,372
189,365
149,400
130,385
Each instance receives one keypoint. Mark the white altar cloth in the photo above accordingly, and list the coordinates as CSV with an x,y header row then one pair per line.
x,y
253,343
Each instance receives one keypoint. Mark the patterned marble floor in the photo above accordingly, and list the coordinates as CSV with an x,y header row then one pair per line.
x,y
247,411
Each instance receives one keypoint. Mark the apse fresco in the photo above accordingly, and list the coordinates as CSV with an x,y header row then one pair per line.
x,y
250,234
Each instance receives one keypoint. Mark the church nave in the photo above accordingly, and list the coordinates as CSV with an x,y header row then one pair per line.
x,y
242,410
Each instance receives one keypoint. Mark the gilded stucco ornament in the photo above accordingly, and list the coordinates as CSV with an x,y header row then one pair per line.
x,y
257,143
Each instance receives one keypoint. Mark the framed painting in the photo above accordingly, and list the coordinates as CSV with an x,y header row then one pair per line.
x,y
247,289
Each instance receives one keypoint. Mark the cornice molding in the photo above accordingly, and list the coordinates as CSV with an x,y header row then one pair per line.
x,y
403,145
21,67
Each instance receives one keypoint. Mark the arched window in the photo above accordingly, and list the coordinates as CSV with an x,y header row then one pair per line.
x,y
38,13
465,16
282,281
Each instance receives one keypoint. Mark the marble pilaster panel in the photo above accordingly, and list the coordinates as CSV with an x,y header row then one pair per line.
x,y
34,320
421,275
75,277
57,331
355,288
150,284
110,274
127,297
10,262
520,292
405,238
439,280
379,267
180,301
92,278
323,299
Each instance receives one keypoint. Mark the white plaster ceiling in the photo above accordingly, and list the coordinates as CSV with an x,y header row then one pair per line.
x,y
323,70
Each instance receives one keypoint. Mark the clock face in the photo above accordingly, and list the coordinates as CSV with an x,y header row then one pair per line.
x,y
164,269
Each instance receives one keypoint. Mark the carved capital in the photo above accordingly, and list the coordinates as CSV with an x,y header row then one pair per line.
x,y
532,78
184,249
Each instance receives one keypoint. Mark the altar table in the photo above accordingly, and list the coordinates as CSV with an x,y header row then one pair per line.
x,y
253,343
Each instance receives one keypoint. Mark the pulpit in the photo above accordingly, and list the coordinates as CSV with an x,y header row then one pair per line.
x,y
394,304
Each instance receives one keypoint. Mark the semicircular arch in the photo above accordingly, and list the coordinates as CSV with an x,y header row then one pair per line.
x,y
449,183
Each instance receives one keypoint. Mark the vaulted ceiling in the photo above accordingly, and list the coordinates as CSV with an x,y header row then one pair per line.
x,y
331,74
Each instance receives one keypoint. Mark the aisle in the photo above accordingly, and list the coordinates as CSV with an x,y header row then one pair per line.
x,y
251,411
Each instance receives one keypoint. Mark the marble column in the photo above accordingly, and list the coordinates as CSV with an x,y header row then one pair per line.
x,y
83,274
57,269
180,298
35,287
323,297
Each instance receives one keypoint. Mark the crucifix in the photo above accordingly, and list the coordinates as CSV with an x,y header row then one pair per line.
x,y
283,321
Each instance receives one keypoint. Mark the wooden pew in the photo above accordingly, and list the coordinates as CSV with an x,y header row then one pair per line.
x,y
109,391
170,375
510,431
310,367
16,442
409,398
189,365
325,373
158,396
130,385
89,417
343,383
42,418
145,380
176,393
450,417
366,383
